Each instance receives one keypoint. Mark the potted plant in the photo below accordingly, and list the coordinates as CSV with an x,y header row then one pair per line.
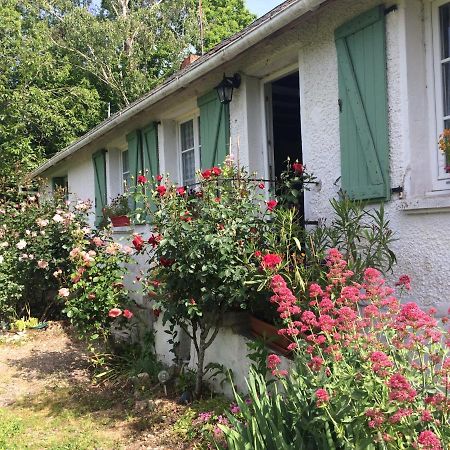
x,y
117,211
444,147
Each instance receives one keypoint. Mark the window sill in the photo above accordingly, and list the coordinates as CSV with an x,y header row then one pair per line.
x,y
431,203
123,230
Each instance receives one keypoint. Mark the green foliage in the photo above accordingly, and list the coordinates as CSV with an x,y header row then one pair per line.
x,y
36,236
360,233
96,284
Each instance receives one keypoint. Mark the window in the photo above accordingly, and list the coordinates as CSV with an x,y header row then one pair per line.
x,y
441,50
126,180
190,150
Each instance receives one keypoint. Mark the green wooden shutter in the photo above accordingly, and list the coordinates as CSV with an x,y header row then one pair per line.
x,y
214,130
99,163
361,52
150,149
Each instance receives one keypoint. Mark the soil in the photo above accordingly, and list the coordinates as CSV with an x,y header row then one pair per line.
x,y
38,363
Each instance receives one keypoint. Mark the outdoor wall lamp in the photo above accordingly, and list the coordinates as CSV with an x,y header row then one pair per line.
x,y
226,86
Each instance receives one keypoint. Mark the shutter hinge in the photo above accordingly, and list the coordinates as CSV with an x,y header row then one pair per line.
x,y
397,190
312,222
390,9
340,105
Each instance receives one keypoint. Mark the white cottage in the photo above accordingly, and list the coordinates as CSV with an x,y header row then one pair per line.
x,y
357,91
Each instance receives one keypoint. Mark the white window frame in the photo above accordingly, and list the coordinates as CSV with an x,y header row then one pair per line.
x,y
441,179
122,173
195,118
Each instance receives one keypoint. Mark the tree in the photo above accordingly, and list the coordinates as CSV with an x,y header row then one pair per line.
x,y
44,102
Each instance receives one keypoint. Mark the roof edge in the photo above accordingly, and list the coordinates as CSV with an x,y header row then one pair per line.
x,y
271,22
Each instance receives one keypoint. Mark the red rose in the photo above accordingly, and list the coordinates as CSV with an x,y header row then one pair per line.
x,y
156,312
128,314
138,242
216,171
206,174
258,254
115,312
217,199
161,190
271,204
261,185
181,190
186,216
298,168
270,261
154,240
159,178
166,262
141,179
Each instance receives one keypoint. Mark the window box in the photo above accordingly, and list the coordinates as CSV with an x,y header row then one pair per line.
x,y
269,333
120,221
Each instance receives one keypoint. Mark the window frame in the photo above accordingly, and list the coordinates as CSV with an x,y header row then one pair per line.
x,y
122,172
195,118
440,179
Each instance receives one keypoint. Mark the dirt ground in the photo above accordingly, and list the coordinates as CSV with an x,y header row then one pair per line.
x,y
47,401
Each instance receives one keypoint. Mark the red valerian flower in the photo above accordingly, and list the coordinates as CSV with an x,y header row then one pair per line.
x,y
261,185
298,168
271,204
161,190
273,361
404,281
127,314
206,174
141,179
322,396
138,242
429,441
159,178
216,171
181,191
115,312
270,261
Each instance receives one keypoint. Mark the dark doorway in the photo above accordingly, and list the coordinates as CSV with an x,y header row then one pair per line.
x,y
284,125
287,137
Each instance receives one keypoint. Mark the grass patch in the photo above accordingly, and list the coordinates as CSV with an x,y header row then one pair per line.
x,y
58,421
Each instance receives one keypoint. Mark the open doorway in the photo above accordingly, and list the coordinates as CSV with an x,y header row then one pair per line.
x,y
284,136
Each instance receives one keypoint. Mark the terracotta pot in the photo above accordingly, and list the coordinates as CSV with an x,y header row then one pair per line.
x,y
268,331
120,221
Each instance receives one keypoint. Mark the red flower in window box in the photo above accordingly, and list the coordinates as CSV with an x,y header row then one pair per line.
x,y
161,190
298,168
216,171
206,174
141,179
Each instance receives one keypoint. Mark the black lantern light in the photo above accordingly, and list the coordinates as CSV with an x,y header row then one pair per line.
x,y
226,86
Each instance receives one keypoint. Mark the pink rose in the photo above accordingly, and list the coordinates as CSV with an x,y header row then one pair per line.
x,y
115,312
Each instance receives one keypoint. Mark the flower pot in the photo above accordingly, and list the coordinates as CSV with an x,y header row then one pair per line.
x,y
269,332
120,221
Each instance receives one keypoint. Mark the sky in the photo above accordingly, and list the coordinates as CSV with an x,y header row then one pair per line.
x,y
260,7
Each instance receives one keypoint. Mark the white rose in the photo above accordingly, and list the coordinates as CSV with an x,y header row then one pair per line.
x,y
1,259
57,218
21,244
64,292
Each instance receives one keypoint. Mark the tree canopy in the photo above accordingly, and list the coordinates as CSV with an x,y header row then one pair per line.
x,y
66,63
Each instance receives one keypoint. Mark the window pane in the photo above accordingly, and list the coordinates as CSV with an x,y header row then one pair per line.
x,y
444,12
187,135
125,161
188,160
446,87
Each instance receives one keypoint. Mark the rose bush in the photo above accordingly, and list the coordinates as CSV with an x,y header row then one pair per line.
x,y
94,293
368,371
198,256
36,236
